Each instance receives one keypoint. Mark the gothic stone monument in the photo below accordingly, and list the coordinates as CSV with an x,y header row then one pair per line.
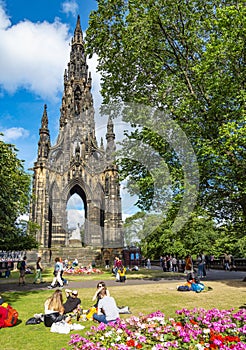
x,y
76,164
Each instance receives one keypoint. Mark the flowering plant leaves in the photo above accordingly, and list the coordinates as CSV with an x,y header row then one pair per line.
x,y
192,329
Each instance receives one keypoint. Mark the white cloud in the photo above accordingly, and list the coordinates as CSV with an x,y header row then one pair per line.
x,y
4,19
70,7
13,134
75,202
75,217
33,56
96,80
24,217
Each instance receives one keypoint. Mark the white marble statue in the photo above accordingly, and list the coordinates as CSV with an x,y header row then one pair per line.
x,y
76,234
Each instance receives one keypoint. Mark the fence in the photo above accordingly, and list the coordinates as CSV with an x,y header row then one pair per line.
x,y
216,264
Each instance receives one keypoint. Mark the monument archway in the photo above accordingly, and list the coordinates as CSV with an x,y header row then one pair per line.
x,y
76,213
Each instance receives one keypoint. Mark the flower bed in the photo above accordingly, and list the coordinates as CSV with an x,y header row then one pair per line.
x,y
81,271
191,329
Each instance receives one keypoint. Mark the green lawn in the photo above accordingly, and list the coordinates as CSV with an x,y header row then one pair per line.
x,y
105,275
140,298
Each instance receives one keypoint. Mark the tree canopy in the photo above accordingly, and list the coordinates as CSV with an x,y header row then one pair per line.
x,y
14,201
186,58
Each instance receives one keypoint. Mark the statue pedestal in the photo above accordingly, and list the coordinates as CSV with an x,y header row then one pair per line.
x,y
75,243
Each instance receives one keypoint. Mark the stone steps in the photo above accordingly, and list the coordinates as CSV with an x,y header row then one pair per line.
x,y
86,255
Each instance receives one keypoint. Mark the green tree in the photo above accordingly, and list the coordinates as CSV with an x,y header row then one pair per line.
x,y
188,59
14,200
132,229
198,235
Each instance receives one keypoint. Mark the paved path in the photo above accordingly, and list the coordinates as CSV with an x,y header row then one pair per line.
x,y
212,275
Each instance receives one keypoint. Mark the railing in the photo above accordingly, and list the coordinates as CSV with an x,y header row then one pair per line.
x,y
216,264
6,267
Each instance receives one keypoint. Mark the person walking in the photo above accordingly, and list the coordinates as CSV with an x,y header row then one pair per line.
x,y
57,274
188,264
22,272
200,264
39,269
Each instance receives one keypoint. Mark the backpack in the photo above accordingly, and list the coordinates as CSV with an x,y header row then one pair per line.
x,y
89,315
19,265
197,287
9,316
183,288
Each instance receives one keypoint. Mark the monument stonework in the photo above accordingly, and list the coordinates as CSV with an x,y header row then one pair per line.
x,y
77,165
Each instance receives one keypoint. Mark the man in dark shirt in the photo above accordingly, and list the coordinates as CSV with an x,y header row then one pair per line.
x,y
22,270
72,304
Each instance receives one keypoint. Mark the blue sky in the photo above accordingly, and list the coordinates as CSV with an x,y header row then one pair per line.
x,y
34,46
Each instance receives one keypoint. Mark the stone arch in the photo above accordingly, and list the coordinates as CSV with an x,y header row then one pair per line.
x,y
77,185
78,189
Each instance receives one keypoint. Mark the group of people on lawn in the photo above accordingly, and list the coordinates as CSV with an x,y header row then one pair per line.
x,y
55,310
105,306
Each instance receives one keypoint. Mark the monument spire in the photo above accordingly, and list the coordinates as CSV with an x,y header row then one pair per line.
x,y
44,137
77,101
110,137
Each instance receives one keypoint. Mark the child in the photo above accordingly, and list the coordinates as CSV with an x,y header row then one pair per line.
x,y
122,273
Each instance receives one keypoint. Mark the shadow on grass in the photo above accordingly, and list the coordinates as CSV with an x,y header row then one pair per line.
x,y
18,323
12,297
235,283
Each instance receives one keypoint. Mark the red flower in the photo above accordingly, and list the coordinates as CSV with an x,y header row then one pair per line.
x,y
193,322
231,338
130,342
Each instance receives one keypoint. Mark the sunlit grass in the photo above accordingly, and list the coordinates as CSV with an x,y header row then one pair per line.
x,y
104,275
144,298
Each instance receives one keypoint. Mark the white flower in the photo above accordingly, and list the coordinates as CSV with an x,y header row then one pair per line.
x,y
206,330
108,334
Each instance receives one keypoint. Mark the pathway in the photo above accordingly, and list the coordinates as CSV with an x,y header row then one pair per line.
x,y
212,275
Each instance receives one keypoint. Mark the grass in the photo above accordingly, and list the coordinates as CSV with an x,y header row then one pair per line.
x,y
105,275
144,298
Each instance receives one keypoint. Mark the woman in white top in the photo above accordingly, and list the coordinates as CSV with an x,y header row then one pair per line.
x,y
107,308
54,309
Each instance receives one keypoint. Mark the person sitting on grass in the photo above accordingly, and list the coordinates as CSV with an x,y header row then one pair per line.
x,y
96,296
107,308
73,303
54,309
